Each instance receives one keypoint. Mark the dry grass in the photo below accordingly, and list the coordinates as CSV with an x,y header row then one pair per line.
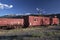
x,y
14,31
30,31
41,33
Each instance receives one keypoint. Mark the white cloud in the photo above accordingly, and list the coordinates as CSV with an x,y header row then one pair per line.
x,y
5,6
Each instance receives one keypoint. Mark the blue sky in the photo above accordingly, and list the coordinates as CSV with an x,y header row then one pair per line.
x,y
29,6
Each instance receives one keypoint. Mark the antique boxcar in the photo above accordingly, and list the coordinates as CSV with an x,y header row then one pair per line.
x,y
11,22
35,20
32,20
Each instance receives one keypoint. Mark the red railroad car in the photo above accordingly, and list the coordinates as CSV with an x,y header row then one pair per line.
x,y
35,20
38,20
11,22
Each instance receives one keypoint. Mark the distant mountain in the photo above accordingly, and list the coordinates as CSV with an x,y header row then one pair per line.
x,y
21,16
12,16
52,15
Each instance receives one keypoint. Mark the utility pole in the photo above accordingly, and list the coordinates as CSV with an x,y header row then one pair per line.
x,y
39,11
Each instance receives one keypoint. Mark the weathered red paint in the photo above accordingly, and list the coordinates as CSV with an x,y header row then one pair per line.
x,y
55,20
38,20
35,20
10,21
46,20
29,21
